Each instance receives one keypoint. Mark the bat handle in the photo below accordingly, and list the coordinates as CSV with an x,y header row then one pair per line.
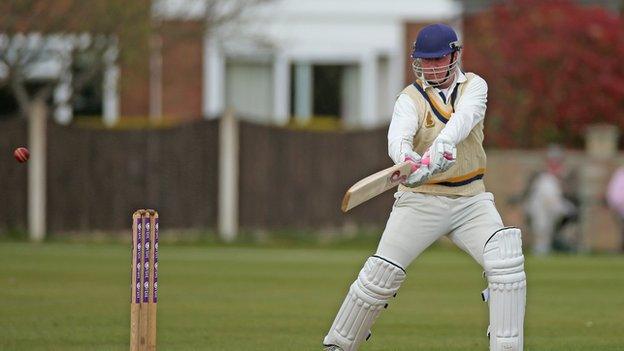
x,y
413,163
424,161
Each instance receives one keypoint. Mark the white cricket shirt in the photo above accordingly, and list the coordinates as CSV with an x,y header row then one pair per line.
x,y
469,110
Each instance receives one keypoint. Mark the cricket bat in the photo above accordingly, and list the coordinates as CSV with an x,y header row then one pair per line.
x,y
375,184
382,181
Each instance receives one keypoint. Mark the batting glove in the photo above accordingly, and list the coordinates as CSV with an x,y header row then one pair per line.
x,y
443,154
420,170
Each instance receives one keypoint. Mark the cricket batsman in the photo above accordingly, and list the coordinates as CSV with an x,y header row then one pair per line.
x,y
439,119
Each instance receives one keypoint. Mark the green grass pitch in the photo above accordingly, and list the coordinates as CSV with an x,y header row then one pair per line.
x,y
61,296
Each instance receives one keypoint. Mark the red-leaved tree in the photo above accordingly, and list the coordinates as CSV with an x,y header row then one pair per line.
x,y
552,67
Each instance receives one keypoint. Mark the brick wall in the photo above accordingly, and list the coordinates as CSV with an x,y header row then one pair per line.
x,y
182,71
182,74
134,87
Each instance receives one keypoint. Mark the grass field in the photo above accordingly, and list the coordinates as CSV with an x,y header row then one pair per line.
x,y
76,297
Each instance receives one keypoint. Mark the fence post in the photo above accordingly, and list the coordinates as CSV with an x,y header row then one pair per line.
x,y
37,171
228,177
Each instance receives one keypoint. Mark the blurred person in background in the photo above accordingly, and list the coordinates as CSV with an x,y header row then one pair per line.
x,y
615,199
437,125
567,236
547,209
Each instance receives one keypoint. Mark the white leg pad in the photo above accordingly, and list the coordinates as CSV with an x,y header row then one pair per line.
x,y
377,282
504,267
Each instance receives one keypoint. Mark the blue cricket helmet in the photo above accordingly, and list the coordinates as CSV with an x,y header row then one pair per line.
x,y
434,41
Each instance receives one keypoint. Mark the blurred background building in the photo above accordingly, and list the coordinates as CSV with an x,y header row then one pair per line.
x,y
274,61
137,91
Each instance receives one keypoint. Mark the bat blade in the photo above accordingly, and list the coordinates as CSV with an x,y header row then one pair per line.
x,y
375,184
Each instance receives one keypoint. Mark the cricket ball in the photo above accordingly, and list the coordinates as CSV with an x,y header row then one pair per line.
x,y
21,154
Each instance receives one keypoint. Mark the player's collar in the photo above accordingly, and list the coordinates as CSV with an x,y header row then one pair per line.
x,y
440,107
460,77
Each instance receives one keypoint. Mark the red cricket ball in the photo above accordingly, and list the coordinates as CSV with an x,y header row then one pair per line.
x,y
21,154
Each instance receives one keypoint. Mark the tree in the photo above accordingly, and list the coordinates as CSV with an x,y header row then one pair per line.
x,y
213,14
77,41
553,68
183,24
64,34
59,35
91,35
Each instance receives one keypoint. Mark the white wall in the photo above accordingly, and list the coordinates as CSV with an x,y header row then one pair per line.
x,y
345,28
352,32
249,89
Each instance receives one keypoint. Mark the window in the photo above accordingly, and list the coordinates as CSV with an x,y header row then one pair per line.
x,y
87,101
328,91
249,89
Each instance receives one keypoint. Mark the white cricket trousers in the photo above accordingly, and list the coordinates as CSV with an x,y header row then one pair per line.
x,y
417,220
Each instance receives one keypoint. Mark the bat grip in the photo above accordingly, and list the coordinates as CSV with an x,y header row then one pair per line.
x,y
413,163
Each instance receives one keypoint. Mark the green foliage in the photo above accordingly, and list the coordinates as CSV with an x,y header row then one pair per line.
x,y
14,234
126,123
317,123
553,68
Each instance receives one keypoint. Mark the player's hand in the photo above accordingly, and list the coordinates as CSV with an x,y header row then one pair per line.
x,y
419,177
413,158
420,171
443,154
